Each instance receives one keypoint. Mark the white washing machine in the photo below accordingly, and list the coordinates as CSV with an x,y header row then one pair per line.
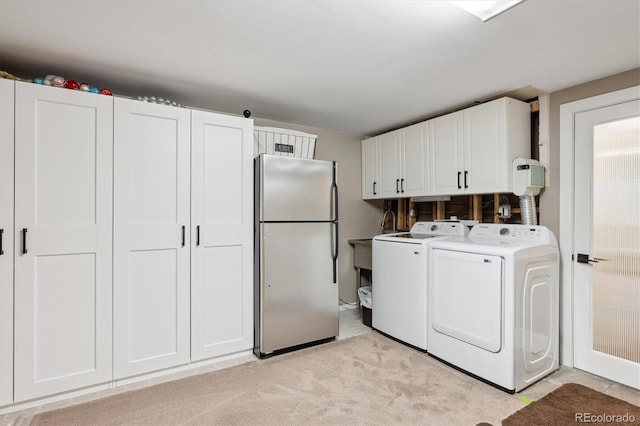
x,y
399,280
493,303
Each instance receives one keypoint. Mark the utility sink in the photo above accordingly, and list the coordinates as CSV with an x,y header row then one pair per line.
x,y
361,252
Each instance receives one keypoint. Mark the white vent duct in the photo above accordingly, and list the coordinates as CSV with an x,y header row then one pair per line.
x,y
528,179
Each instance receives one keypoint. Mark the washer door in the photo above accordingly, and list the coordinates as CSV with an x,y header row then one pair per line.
x,y
466,297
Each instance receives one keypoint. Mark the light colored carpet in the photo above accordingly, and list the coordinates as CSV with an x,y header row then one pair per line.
x,y
367,379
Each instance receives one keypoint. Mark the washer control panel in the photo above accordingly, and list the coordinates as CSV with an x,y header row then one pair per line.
x,y
440,228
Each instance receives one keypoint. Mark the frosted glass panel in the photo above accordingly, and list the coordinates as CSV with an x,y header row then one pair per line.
x,y
616,238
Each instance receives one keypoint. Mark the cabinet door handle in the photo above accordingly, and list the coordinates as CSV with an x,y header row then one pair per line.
x,y
24,240
459,187
1,249
397,182
402,185
197,235
374,189
465,179
183,235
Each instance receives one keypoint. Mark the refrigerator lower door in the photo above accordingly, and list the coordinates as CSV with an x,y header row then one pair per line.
x,y
298,298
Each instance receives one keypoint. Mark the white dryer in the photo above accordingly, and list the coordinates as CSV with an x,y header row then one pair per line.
x,y
493,303
399,280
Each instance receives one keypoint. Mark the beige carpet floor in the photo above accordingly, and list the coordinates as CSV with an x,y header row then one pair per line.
x,y
367,379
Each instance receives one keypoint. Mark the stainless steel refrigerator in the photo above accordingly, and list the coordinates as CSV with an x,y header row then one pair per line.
x,y
296,253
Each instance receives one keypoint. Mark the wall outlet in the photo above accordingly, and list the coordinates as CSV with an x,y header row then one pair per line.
x,y
504,211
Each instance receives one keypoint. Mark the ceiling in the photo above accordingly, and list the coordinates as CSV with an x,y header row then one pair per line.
x,y
356,66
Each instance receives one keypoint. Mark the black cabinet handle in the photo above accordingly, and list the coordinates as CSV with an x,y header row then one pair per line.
x,y
374,189
402,185
465,178
183,235
397,182
459,187
197,235
24,240
1,249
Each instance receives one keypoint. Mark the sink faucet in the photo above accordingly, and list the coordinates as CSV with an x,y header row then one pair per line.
x,y
384,218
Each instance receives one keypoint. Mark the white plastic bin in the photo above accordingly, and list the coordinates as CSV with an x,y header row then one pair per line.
x,y
285,142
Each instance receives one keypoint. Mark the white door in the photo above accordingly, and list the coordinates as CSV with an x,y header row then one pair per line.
x,y
414,160
445,160
6,241
607,242
389,173
222,235
63,224
465,298
151,237
370,166
484,147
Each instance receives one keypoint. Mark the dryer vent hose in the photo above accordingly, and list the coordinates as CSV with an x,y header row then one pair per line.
x,y
528,210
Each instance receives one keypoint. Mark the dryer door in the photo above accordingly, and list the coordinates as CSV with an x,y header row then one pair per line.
x,y
466,297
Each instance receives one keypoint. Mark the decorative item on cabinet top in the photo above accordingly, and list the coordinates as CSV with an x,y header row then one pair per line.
x,y
284,142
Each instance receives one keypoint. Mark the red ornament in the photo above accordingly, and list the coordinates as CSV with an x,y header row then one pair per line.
x,y
106,92
72,84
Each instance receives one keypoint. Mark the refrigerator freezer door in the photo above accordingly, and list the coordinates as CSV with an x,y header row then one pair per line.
x,y
296,189
299,300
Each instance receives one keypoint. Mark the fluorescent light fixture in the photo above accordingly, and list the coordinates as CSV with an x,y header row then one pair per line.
x,y
486,10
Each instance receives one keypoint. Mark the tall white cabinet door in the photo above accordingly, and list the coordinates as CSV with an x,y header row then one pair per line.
x,y
445,139
151,237
6,241
370,167
415,160
63,248
222,235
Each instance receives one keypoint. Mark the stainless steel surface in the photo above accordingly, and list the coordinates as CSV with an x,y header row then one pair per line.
x,y
299,301
296,250
295,189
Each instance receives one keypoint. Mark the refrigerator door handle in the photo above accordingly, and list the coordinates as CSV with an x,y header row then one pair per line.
x,y
334,253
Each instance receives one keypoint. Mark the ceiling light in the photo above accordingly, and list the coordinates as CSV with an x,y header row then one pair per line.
x,y
486,10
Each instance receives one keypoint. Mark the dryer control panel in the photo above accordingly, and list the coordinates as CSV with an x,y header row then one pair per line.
x,y
513,232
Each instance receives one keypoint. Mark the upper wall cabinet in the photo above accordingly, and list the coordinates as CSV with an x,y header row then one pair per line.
x,y
472,150
370,168
465,152
63,240
394,163
151,265
6,241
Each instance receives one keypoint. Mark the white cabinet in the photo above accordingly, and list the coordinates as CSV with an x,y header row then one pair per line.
x,y
370,167
394,163
472,150
6,241
151,237
222,237
113,261
414,160
63,246
390,170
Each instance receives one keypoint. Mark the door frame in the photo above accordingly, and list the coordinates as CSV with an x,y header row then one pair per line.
x,y
568,112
